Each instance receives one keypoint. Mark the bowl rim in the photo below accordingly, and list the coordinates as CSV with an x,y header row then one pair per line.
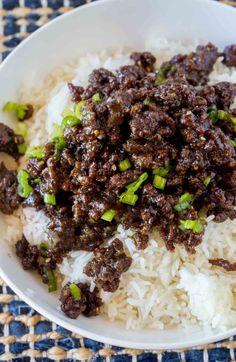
x,y
64,322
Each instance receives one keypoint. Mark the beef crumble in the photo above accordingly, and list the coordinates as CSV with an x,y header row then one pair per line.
x,y
88,303
108,265
9,141
142,148
9,199
230,56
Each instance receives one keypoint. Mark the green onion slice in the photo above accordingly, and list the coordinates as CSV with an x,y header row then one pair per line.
x,y
108,215
75,291
124,165
233,143
60,143
35,152
24,188
22,148
52,281
162,171
57,138
146,102
42,249
134,186
49,199
96,97
70,121
206,181
67,112
213,115
159,182
186,197
37,181
184,202
19,109
128,198
162,72
182,206
222,115
78,106
233,119
195,225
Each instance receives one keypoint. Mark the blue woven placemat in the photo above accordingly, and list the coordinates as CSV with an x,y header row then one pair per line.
x,y
26,336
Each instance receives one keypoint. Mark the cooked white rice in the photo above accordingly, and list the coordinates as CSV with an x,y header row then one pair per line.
x,y
161,288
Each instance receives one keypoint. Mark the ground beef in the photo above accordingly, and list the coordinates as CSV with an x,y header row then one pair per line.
x,y
230,56
9,141
107,266
146,60
29,254
9,199
89,304
152,150
75,92
197,65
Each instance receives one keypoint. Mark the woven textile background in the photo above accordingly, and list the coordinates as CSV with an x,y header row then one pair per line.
x,y
26,336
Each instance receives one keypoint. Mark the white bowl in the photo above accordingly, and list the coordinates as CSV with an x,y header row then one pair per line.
x,y
107,25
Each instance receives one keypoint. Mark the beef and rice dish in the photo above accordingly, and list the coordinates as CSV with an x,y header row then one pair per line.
x,y
147,149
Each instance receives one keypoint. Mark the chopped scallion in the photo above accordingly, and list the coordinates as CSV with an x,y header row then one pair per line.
x,y
213,115
146,102
22,148
184,202
19,109
134,186
24,188
60,143
162,73
128,198
35,152
75,291
195,225
57,138
233,119
67,112
217,115
124,165
51,280
96,97
186,197
222,115
37,181
49,199
42,249
206,181
70,121
159,182
233,143
78,107
182,206
108,215
162,171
